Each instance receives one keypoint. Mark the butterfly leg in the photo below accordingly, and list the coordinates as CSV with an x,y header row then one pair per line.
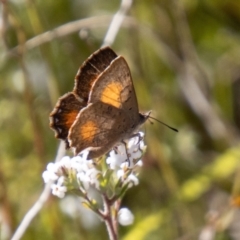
x,y
137,135
127,160
137,142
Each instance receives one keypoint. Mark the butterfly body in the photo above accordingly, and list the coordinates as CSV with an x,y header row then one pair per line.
x,y
102,110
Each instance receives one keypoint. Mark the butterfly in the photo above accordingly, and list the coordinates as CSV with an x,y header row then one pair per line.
x,y
102,110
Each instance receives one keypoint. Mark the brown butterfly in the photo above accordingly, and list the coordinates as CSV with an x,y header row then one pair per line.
x,y
102,109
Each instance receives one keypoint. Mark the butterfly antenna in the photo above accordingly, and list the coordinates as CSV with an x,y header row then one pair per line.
x,y
150,120
174,129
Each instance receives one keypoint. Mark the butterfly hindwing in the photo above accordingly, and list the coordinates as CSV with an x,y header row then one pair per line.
x,y
64,114
97,127
91,69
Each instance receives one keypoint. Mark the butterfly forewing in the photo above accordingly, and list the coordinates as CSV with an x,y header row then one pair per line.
x,y
115,87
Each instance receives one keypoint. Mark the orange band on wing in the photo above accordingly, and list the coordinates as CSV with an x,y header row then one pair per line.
x,y
88,130
70,117
111,94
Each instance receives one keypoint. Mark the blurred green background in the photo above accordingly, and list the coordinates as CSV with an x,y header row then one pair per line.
x,y
185,61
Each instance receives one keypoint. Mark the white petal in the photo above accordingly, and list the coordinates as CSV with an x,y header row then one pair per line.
x,y
61,181
49,176
133,179
120,173
125,217
139,163
58,191
65,162
115,159
52,167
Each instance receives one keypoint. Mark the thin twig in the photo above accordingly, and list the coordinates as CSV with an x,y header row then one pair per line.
x,y
117,205
63,30
33,211
116,23
113,234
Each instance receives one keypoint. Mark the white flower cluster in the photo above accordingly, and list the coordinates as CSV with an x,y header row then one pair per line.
x,y
58,173
126,158
123,161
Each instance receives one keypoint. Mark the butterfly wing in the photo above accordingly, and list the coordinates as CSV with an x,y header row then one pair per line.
x,y
115,87
98,127
91,69
69,105
64,114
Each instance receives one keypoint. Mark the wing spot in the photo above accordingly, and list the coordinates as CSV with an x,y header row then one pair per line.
x,y
88,130
111,94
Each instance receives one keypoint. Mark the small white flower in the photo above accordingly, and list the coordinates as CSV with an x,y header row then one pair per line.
x,y
137,140
50,174
116,158
135,149
139,163
88,175
84,179
125,217
78,163
52,167
65,162
59,190
61,180
120,173
93,177
124,165
128,153
131,179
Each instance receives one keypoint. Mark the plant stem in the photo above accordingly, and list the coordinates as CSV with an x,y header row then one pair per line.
x,y
110,218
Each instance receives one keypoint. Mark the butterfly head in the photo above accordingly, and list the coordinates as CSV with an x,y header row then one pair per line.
x,y
144,117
